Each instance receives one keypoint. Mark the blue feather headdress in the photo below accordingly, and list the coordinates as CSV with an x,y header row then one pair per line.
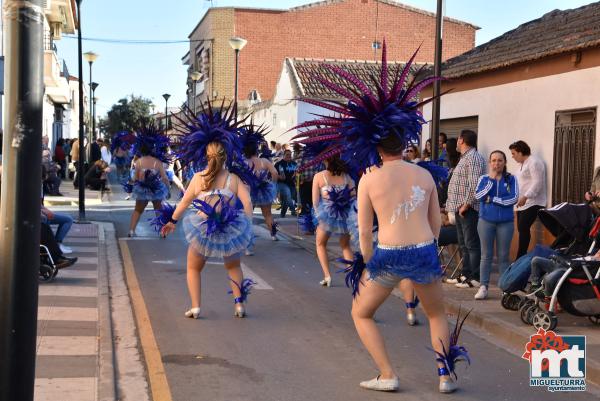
x,y
208,126
371,113
150,139
122,140
252,136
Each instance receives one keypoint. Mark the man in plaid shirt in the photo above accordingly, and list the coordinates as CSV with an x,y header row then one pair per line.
x,y
462,202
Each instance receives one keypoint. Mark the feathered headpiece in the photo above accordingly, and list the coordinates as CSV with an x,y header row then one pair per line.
x,y
252,135
208,126
371,113
122,140
150,139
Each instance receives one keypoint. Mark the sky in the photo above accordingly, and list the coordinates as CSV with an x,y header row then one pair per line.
x,y
151,70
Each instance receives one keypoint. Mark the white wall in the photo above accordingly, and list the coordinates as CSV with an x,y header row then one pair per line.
x,y
524,110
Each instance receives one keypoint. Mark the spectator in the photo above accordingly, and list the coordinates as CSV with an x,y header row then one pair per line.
x,y
306,182
412,154
451,162
443,139
95,153
45,142
60,157
452,153
48,240
593,195
427,151
64,222
265,152
75,159
462,202
286,170
497,193
104,151
278,155
50,171
95,178
532,188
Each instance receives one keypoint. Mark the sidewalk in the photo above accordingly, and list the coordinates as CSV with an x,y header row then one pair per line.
x,y
80,325
71,196
501,327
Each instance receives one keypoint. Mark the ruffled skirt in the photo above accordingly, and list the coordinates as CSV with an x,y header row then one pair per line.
x,y
330,222
419,263
235,237
142,193
264,195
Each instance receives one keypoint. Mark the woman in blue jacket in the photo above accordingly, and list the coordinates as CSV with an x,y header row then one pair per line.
x,y
497,193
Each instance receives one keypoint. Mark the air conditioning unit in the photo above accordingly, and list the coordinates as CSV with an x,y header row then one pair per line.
x,y
56,28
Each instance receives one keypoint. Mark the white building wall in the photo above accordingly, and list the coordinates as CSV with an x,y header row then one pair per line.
x,y
523,110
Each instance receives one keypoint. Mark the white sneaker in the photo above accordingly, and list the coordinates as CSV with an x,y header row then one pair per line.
x,y
456,280
468,284
378,384
248,252
482,293
65,249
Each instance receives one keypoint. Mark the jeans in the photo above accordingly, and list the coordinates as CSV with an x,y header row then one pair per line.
x,y
286,194
468,241
539,267
500,234
306,197
64,222
525,219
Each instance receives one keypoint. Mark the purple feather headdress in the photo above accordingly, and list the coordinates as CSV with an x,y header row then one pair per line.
x,y
368,115
251,135
122,140
208,126
150,139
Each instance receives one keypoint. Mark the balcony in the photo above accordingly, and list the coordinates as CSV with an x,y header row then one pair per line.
x,y
57,86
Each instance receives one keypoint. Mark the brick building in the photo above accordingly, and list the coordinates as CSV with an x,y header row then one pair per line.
x,y
331,29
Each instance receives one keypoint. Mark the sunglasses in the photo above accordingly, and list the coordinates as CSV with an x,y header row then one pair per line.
x,y
410,151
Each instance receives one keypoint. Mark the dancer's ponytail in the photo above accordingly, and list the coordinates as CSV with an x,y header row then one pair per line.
x,y
216,157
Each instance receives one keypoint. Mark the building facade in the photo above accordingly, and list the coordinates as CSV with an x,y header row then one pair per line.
x,y
332,29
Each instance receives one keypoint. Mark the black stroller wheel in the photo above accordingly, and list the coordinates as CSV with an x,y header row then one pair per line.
x,y
544,319
530,313
504,300
595,319
513,302
525,301
46,273
525,304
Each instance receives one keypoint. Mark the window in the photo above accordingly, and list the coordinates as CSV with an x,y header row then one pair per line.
x,y
573,166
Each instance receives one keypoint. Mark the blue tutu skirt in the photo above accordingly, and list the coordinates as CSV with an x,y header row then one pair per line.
x,y
352,222
121,162
419,263
235,237
328,221
146,194
264,195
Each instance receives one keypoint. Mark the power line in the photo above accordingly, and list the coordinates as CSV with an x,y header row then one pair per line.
x,y
136,41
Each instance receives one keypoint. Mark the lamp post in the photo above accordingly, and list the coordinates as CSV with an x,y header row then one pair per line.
x,y
437,71
90,57
166,96
236,44
195,76
80,172
93,86
20,208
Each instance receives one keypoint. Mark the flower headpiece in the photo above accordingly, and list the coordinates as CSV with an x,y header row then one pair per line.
x,y
154,141
208,126
370,114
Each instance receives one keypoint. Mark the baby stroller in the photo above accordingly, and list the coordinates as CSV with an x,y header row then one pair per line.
x,y
575,286
48,269
569,224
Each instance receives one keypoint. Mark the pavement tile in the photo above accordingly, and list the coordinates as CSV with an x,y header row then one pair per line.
x,y
66,389
58,300
82,241
81,248
66,290
66,313
79,274
67,345
64,366
81,266
68,281
93,260
66,328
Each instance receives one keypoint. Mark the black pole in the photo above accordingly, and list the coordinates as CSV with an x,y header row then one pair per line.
x,y
94,114
20,207
90,132
80,172
166,114
437,68
235,95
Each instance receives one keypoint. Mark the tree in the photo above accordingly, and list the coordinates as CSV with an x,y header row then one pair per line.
x,y
126,115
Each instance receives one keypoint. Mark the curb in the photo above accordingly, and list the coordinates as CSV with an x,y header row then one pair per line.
x,y
512,336
106,381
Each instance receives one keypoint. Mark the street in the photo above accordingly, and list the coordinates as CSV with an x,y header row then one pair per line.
x,y
298,341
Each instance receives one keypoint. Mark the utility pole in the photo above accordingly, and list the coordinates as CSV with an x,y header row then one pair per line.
x,y
437,71
20,207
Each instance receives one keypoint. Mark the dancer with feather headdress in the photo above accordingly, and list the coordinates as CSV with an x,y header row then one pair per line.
x,y
378,121
150,182
219,228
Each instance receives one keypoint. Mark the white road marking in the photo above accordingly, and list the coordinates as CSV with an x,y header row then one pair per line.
x,y
84,248
164,262
68,313
75,274
74,291
67,345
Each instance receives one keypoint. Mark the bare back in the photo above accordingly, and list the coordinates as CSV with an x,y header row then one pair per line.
x,y
260,164
404,198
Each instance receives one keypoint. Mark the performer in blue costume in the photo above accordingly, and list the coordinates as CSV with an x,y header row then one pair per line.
x,y
218,228
379,120
150,183
120,147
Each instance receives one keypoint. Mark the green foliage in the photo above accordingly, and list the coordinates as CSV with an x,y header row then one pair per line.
x,y
127,114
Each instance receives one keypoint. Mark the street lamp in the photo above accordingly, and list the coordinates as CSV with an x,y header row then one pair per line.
x,y
166,96
236,44
90,57
93,86
80,172
195,76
